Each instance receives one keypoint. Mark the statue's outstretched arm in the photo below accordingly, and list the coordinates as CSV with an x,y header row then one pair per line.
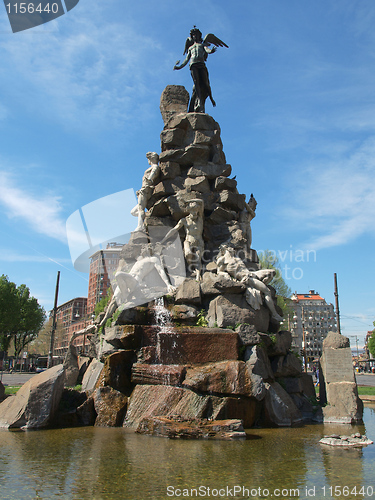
x,y
184,63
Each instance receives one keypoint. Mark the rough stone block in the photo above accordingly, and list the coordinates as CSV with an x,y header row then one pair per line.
x,y
158,374
308,388
344,405
124,336
257,362
225,183
71,366
226,377
36,401
192,429
232,200
91,376
197,346
280,410
337,365
282,344
292,385
286,366
189,292
232,309
174,100
116,372
170,170
110,405
184,313
199,184
221,215
210,170
214,284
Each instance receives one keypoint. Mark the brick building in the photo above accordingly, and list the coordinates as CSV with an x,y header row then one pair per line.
x,y
103,265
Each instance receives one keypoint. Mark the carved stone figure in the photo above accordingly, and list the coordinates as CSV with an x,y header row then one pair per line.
x,y
197,51
129,283
255,281
193,243
145,192
246,216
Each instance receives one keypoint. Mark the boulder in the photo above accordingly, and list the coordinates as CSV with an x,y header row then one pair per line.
x,y
195,345
174,100
286,366
188,292
226,377
124,336
171,402
257,362
71,366
336,364
36,401
158,374
116,372
221,215
192,429
91,376
281,344
2,391
344,405
86,412
110,405
232,309
258,389
185,313
279,407
308,388
215,284
335,340
170,170
210,170
248,335
292,385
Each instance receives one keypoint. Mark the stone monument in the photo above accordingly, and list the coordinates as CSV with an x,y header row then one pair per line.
x,y
337,382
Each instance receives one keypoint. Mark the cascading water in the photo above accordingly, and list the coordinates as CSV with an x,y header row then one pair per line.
x,y
163,320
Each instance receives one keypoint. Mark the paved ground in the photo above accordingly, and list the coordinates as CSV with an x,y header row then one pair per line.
x,y
15,378
367,379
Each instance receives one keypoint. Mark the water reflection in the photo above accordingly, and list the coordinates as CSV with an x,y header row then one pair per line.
x,y
100,464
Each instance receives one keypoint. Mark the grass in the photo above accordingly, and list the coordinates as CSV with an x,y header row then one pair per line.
x,y
11,389
366,391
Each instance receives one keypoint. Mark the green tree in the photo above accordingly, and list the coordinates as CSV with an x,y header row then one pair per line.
x,y
371,343
30,320
21,316
269,260
8,311
101,305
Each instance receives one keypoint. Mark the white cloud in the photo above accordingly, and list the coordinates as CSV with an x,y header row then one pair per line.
x,y
335,200
10,255
90,74
42,213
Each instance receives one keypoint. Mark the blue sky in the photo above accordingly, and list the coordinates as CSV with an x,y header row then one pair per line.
x,y
295,93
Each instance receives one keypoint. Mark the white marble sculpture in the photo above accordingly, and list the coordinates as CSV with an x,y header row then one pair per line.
x,y
246,216
193,242
145,192
256,281
131,283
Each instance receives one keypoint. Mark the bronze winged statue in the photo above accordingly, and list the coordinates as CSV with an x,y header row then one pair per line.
x,y
197,50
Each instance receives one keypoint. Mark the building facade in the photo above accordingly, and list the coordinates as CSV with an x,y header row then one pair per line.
x,y
71,317
103,266
312,319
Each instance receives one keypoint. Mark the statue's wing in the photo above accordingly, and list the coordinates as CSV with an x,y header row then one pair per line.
x,y
189,42
211,38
